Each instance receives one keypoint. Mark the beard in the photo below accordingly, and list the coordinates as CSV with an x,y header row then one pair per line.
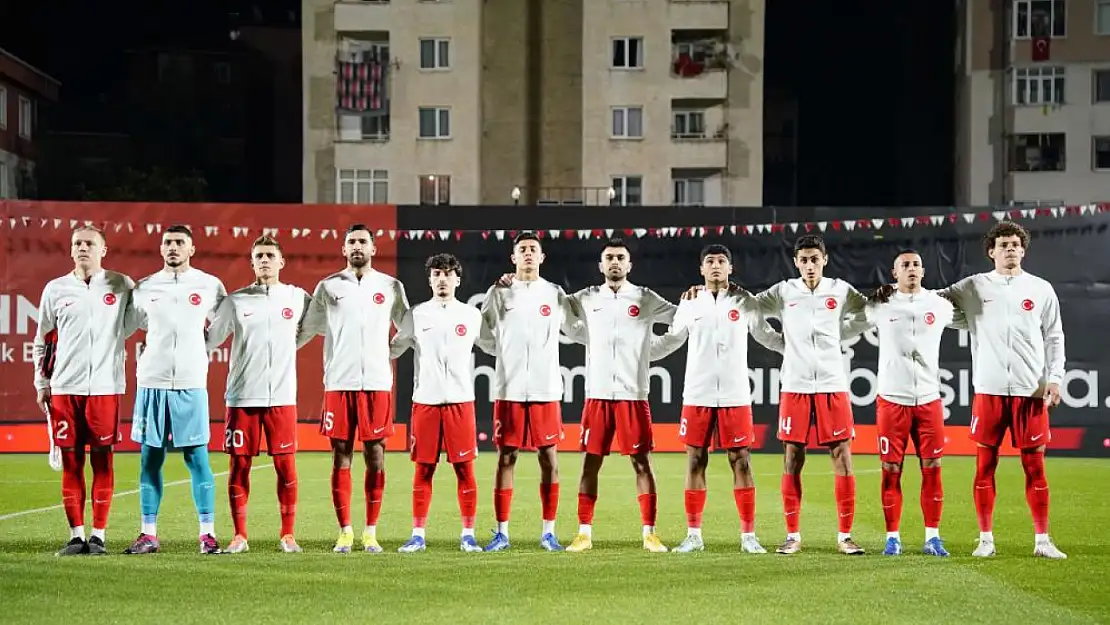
x,y
358,261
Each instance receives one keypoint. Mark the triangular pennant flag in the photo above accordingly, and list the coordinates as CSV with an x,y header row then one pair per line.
x,y
236,231
380,233
583,234
969,217
821,225
639,232
444,235
270,231
732,229
458,235
296,233
43,221
608,233
72,224
118,227
877,223
850,224
88,222
499,234
936,220
416,234
999,215
749,228
1057,211
210,231
150,228
392,234
794,226
11,223
57,223
907,222
554,234
1028,213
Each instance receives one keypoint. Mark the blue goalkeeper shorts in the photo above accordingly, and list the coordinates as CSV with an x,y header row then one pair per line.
x,y
171,419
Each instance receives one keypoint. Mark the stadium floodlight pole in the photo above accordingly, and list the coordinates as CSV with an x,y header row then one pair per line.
x,y
515,194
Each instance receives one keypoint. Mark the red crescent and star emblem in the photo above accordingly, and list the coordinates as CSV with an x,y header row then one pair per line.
x,y
110,299
1027,304
460,330
545,311
287,313
930,318
633,311
734,315
830,303
194,299
379,298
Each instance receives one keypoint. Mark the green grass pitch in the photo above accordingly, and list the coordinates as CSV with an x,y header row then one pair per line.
x,y
615,582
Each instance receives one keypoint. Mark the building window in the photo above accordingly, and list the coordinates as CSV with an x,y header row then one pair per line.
x,y
628,122
3,107
435,123
435,189
1101,156
435,54
1101,88
629,191
1040,18
689,192
688,124
628,52
26,117
1038,85
363,186
1038,152
1102,17
3,180
375,127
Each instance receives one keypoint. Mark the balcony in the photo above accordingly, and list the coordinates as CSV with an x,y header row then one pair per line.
x,y
700,60
701,14
692,152
363,15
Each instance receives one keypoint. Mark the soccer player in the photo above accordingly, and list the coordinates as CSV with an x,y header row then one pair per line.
x,y
442,333
261,391
79,377
171,407
716,396
1017,355
815,387
616,328
523,321
355,310
910,325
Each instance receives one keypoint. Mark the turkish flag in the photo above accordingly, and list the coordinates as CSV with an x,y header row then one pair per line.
x,y
1041,49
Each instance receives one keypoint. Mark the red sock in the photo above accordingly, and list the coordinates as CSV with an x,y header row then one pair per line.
x,y
341,495
791,501
373,485
73,486
238,491
932,496
586,505
695,505
104,482
467,491
286,467
422,493
892,499
1036,489
845,490
648,508
745,505
986,463
502,504
549,500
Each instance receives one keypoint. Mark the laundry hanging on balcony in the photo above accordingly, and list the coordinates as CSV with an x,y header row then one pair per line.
x,y
361,84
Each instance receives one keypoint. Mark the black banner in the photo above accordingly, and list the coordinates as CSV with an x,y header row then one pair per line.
x,y
1070,253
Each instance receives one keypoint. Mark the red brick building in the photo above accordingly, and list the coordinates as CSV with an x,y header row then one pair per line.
x,y
24,91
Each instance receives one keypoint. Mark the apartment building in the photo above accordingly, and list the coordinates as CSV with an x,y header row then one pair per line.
x,y
1033,102
536,101
24,92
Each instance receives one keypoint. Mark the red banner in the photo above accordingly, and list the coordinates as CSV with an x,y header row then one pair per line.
x,y
35,249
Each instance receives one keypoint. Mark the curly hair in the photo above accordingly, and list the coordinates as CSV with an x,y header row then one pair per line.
x,y
443,262
1005,229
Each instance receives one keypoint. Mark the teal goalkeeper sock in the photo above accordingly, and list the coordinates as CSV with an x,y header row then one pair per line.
x,y
203,482
150,481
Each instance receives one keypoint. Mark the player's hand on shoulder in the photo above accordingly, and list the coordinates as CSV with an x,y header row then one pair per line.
x,y
736,289
692,292
506,280
881,295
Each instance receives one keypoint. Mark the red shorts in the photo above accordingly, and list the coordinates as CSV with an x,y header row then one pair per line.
x,y
368,412
725,428
628,420
924,425
244,427
527,425
447,427
80,420
1025,417
832,412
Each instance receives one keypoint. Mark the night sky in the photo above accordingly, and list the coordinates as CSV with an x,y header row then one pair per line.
x,y
874,80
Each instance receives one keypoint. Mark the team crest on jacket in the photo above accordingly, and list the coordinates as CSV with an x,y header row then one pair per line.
x,y
633,311
379,298
830,303
287,313
1027,304
545,311
734,315
930,318
194,299
110,299
460,330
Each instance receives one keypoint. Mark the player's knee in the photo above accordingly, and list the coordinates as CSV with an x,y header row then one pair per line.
x,y
506,457
740,459
893,467
641,464
930,463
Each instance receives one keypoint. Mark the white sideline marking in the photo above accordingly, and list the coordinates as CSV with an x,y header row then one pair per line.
x,y
14,515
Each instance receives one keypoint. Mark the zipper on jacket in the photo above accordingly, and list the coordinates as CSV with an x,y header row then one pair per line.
x,y
173,358
269,346
913,341
717,346
88,292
